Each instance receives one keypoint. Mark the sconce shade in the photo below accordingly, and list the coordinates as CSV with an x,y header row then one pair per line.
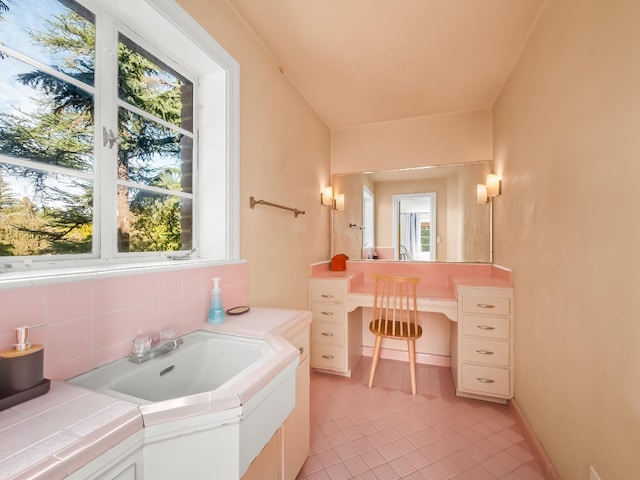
x,y
493,185
338,202
326,196
481,194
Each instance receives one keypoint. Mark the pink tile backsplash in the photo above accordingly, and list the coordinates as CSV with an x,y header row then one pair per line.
x,y
22,306
92,322
112,294
169,284
431,274
58,340
143,289
436,275
111,328
68,301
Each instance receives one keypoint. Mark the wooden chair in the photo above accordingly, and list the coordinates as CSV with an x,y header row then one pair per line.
x,y
395,315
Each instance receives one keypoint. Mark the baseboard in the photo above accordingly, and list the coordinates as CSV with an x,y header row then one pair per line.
x,y
536,447
422,358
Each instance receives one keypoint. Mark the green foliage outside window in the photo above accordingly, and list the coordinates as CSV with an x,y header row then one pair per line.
x,y
57,216
425,236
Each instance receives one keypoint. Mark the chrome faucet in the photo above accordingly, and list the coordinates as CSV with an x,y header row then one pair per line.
x,y
149,345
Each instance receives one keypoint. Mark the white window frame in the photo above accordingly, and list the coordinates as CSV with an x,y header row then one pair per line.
x,y
162,25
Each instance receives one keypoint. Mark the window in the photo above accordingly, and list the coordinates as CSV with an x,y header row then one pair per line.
x,y
425,234
99,153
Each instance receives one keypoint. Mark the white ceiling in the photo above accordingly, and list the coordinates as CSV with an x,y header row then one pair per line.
x,y
365,61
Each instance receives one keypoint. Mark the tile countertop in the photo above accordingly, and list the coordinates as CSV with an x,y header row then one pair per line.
x,y
51,436
54,434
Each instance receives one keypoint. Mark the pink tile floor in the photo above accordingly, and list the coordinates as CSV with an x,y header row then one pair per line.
x,y
386,433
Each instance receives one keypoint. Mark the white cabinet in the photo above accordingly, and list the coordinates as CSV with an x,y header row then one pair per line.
x,y
336,336
129,468
282,458
482,342
122,462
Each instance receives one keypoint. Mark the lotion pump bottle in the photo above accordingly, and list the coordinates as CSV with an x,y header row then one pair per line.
x,y
216,312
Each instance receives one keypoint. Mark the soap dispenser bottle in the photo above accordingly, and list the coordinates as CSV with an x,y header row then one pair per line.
x,y
21,371
216,311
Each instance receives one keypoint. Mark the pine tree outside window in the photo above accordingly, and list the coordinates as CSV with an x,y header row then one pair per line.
x,y
97,151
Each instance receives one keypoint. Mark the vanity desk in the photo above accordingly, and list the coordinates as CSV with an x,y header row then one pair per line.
x,y
477,299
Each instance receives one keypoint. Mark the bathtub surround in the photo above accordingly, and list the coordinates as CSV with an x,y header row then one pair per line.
x,y
91,319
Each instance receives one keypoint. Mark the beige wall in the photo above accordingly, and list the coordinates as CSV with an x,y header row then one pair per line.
x,y
413,142
284,159
567,144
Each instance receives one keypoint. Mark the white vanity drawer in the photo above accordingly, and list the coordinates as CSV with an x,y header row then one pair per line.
x,y
482,350
486,305
327,312
327,356
485,380
327,294
325,332
486,326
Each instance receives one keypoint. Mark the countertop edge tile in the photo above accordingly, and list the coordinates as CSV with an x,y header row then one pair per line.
x,y
92,445
47,469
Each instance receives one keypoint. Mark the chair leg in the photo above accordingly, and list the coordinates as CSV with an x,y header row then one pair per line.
x,y
412,364
374,360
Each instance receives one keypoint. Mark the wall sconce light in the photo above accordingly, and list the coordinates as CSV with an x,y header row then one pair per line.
x,y
492,188
494,185
481,194
326,196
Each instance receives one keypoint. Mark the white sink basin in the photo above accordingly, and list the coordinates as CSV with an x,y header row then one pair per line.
x,y
227,392
203,363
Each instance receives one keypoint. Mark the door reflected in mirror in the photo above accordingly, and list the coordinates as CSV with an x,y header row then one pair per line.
x,y
455,229
414,226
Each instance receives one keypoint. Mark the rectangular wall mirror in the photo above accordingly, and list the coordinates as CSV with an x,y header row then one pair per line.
x,y
449,227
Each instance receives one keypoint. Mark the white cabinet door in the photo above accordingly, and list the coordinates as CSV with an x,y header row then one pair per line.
x,y
122,462
129,468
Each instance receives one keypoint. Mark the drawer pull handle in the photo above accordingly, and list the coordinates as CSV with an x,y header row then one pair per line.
x,y
328,357
485,327
485,380
327,313
485,352
327,334
326,295
301,350
486,305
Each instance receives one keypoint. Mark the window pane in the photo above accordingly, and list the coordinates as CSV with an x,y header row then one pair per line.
x,y
147,83
43,118
425,236
43,213
151,222
62,37
153,155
